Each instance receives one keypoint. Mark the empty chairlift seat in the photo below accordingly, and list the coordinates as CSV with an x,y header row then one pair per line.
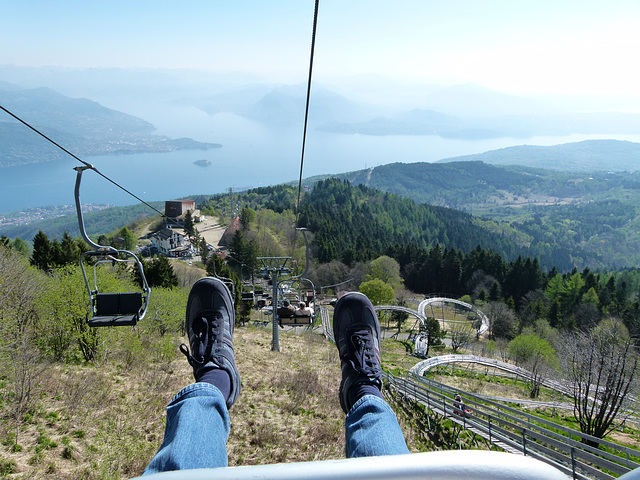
x,y
116,309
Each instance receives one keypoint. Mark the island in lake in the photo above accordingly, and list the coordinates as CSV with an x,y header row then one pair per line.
x,y
203,162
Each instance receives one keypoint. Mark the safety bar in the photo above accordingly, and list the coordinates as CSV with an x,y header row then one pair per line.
x,y
447,465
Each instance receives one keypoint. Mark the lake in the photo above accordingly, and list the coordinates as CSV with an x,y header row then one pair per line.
x,y
252,155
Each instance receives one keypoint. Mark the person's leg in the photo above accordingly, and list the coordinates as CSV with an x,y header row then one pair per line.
x,y
196,431
371,427
197,418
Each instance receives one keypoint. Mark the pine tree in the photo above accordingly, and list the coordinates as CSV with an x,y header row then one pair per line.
x,y
494,292
158,273
70,250
188,224
247,217
42,256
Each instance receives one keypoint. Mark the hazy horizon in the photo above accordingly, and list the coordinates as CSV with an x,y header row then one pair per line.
x,y
552,48
162,61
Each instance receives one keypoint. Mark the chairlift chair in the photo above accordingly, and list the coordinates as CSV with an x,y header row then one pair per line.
x,y
310,295
247,296
308,299
114,308
109,308
251,292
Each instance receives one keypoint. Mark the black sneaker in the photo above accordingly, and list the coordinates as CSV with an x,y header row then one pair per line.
x,y
209,325
356,331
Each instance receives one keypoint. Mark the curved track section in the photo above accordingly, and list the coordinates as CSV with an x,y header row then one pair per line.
x,y
398,308
428,301
420,368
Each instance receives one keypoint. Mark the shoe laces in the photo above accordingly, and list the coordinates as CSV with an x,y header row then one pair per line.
x,y
365,356
206,344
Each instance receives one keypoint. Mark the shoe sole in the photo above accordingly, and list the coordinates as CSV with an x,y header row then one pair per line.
x,y
210,293
353,301
203,297
353,308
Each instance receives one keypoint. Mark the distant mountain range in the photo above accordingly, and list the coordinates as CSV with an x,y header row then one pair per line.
x,y
82,126
465,112
567,218
535,175
460,112
586,156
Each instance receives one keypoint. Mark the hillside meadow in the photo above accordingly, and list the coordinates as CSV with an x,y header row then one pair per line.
x,y
106,419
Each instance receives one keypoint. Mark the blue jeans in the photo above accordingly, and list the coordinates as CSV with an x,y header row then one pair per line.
x,y
198,427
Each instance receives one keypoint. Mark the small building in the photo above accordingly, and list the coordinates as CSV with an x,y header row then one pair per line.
x,y
170,243
177,209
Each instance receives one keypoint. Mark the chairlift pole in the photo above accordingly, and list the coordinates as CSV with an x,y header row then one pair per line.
x,y
275,337
272,268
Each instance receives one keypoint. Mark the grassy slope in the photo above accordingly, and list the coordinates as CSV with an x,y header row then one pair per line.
x,y
107,421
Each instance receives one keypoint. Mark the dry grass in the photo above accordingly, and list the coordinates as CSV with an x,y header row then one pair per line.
x,y
288,409
91,422
107,421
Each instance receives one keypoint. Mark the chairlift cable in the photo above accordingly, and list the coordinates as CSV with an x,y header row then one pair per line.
x,y
304,134
306,112
86,164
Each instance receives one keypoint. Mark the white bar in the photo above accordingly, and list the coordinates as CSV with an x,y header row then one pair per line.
x,y
448,465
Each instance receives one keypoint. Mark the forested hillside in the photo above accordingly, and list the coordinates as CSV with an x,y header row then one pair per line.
x,y
565,219
357,223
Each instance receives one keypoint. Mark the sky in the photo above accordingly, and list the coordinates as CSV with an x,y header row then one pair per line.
x,y
564,47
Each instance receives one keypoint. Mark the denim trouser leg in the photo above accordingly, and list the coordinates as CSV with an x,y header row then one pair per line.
x,y
198,425
371,429
196,431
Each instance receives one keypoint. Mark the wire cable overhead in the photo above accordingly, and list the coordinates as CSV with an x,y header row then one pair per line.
x,y
86,164
306,110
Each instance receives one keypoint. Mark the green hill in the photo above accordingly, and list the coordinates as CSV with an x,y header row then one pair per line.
x,y
576,219
565,219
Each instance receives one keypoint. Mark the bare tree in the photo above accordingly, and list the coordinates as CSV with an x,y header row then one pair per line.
x,y
601,365
502,320
480,281
19,288
462,333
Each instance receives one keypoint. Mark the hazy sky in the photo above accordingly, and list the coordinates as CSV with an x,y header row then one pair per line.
x,y
546,46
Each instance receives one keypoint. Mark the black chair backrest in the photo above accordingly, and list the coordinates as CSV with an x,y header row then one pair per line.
x,y
118,303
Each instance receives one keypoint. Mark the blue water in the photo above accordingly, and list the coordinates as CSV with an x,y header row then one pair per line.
x,y
252,155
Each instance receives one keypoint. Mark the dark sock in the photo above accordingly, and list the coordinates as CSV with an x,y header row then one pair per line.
x,y
218,378
358,391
